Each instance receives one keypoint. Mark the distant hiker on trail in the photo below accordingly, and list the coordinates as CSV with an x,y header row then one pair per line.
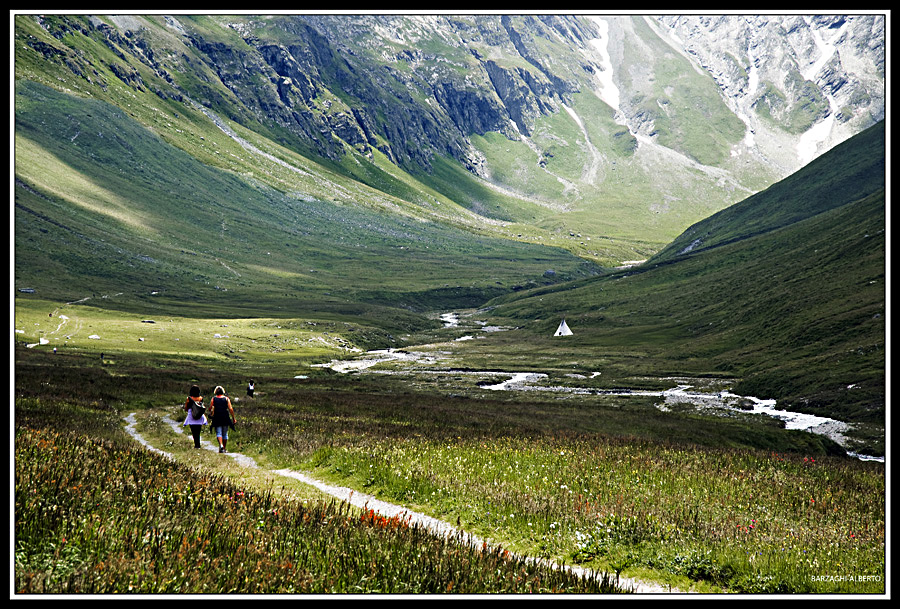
x,y
250,387
196,417
222,417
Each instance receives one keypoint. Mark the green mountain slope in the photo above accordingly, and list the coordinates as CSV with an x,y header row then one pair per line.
x,y
794,308
822,185
104,205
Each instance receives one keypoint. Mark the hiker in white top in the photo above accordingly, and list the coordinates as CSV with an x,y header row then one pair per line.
x,y
195,423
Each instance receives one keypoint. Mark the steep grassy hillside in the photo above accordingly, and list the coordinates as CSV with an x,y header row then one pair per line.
x,y
797,312
854,170
105,206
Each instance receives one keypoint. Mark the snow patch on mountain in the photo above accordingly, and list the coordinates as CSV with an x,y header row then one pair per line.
x,y
810,141
609,92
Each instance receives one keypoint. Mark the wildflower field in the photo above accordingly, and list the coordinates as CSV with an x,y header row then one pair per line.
x,y
751,521
96,512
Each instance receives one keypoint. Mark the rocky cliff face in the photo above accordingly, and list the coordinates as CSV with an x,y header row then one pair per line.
x,y
820,78
425,84
413,86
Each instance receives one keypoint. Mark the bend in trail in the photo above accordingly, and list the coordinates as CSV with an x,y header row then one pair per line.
x,y
369,502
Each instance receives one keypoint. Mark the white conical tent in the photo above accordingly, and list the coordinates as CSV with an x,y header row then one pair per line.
x,y
563,329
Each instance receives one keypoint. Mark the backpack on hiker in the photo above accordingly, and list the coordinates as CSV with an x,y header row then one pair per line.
x,y
198,409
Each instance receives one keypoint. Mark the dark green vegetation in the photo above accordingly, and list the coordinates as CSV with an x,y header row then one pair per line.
x,y
555,479
786,293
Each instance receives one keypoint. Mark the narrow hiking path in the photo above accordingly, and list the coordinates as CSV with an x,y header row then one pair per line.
x,y
370,502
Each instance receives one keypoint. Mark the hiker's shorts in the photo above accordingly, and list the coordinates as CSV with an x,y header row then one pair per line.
x,y
222,432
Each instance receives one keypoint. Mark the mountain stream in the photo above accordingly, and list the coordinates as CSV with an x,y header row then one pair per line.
x,y
418,362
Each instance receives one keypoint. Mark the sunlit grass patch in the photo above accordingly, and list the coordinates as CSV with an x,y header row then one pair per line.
x,y
82,327
763,523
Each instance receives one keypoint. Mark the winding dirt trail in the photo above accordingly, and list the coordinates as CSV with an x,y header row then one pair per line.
x,y
369,502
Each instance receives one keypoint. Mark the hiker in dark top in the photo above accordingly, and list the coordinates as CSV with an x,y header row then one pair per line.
x,y
196,424
222,417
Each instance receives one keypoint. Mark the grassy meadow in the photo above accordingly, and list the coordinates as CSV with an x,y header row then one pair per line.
x,y
111,517
260,341
614,485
